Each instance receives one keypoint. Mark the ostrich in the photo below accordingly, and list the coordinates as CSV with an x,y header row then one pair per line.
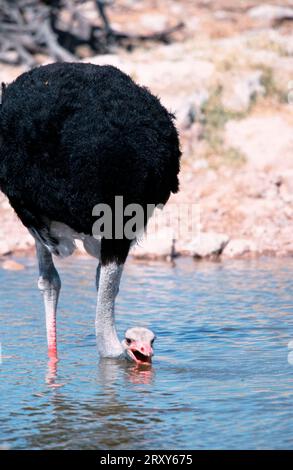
x,y
72,136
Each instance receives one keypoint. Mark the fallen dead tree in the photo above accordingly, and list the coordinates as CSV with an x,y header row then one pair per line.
x,y
57,29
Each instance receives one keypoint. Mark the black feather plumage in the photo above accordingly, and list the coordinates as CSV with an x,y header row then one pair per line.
x,y
74,135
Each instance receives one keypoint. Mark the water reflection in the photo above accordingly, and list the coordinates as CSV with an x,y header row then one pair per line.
x,y
105,420
51,375
109,371
140,374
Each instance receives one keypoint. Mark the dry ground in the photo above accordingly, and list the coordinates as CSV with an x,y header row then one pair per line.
x,y
228,77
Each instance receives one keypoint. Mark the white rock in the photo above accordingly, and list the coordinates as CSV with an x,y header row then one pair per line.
x,y
239,92
207,244
221,15
239,247
156,245
264,140
270,12
106,59
190,110
154,22
11,265
200,164
4,247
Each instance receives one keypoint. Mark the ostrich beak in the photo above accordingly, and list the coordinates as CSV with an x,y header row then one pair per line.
x,y
141,352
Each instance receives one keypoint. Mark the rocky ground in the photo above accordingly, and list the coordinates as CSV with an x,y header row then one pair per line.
x,y
228,77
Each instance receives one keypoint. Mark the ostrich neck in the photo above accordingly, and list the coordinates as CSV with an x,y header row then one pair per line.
x,y
107,340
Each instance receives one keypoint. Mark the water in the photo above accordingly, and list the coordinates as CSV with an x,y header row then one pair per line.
x,y
220,379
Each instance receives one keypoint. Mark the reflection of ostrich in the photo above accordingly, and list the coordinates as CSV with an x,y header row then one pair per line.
x,y
73,136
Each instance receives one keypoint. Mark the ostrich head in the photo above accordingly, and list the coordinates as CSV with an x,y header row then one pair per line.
x,y
137,345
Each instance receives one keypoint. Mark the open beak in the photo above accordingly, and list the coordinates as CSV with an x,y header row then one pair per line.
x,y
141,353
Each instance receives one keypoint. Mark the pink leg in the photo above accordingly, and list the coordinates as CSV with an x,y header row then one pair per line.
x,y
50,300
49,284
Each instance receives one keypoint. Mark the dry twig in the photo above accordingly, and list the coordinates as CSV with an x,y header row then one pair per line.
x,y
31,27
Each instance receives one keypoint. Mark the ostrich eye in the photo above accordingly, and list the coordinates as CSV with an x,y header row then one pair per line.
x,y
152,341
128,341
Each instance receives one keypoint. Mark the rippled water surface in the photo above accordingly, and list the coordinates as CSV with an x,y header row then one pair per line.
x,y
221,377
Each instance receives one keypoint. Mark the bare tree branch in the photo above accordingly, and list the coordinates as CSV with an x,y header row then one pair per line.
x,y
29,27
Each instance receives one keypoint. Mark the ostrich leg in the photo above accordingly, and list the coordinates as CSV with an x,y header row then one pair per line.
x,y
49,284
108,280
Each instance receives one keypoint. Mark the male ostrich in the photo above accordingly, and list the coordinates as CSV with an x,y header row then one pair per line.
x,y
73,136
